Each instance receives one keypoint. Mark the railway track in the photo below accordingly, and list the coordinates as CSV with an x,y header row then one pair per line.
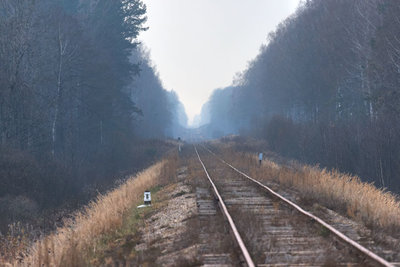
x,y
270,230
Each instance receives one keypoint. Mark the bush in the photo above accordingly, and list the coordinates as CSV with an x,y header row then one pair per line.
x,y
19,173
16,208
282,136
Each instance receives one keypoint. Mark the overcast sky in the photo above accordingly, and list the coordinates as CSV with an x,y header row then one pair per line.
x,y
199,45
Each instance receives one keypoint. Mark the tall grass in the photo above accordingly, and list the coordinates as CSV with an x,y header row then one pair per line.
x,y
362,201
71,244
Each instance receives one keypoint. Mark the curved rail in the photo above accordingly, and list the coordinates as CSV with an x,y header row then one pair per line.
x,y
343,237
238,238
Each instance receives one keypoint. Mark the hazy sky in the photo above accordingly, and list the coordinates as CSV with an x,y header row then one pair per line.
x,y
199,45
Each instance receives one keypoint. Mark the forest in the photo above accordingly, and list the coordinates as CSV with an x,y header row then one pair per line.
x,y
324,89
78,95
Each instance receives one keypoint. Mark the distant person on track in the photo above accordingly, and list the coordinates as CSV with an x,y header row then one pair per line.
x,y
260,158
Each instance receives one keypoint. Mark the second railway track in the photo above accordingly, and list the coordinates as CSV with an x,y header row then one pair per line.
x,y
272,233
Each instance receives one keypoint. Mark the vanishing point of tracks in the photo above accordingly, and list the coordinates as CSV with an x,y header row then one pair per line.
x,y
270,230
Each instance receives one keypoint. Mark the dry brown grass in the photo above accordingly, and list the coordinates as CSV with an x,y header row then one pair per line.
x,y
364,202
72,244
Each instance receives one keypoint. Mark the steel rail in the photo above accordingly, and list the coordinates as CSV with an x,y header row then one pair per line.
x,y
238,238
343,237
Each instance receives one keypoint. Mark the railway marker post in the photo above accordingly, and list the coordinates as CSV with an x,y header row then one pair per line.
x,y
147,197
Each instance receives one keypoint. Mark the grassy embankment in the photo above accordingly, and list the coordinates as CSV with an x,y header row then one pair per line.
x,y
374,207
83,236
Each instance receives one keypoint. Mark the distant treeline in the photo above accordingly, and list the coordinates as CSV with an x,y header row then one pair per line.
x,y
161,111
325,89
76,93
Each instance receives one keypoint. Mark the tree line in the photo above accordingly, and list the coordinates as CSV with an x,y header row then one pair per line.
x,y
324,89
161,112
77,93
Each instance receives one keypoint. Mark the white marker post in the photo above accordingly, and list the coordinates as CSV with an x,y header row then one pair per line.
x,y
147,198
